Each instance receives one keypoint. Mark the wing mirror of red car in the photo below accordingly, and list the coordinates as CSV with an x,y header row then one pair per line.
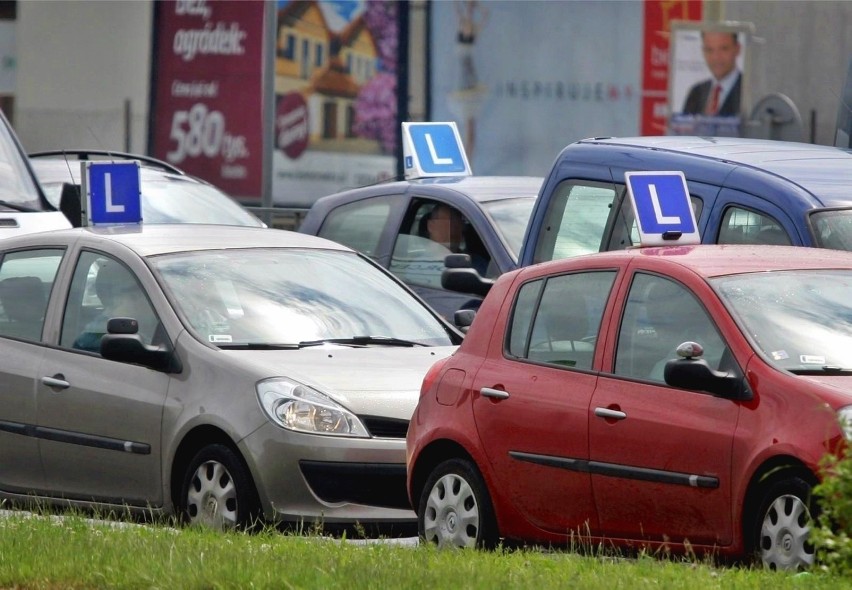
x,y
696,374
460,276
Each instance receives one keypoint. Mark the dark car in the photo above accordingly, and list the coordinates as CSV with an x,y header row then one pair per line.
x,y
391,223
169,195
743,191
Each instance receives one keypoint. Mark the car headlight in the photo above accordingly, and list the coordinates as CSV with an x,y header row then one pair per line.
x,y
844,415
296,406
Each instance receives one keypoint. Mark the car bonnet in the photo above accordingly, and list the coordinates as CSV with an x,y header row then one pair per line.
x,y
374,380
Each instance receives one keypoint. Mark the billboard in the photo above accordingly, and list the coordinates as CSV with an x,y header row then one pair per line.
x,y
659,16
522,79
208,92
336,80
709,78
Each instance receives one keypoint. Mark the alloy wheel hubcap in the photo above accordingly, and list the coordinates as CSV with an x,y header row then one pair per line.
x,y
784,535
451,518
212,497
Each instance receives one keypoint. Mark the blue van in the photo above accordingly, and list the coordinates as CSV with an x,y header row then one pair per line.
x,y
743,191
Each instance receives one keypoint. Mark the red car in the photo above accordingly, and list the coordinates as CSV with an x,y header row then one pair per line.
x,y
674,396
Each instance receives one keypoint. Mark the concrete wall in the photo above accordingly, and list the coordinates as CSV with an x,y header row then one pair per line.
x,y
78,62
804,53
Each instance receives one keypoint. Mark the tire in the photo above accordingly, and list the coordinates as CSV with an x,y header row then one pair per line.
x,y
782,527
218,492
455,509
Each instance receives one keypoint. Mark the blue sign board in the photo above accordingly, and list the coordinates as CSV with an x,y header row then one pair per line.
x,y
113,194
433,149
663,208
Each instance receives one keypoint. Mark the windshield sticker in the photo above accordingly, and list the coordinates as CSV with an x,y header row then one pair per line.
x,y
779,355
220,338
809,359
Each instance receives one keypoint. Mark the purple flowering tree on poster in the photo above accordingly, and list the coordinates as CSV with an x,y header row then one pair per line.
x,y
375,106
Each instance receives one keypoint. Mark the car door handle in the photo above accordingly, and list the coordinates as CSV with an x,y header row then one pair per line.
x,y
57,382
610,414
493,393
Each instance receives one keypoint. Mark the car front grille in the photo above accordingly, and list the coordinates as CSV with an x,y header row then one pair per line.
x,y
372,484
385,427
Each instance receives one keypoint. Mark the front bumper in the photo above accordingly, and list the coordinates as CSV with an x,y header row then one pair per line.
x,y
313,479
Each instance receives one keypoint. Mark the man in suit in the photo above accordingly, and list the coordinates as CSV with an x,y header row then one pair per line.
x,y
720,95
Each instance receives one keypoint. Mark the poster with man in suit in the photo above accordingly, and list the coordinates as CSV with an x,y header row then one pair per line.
x,y
708,78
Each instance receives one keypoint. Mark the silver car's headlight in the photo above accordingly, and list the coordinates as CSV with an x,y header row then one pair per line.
x,y
844,415
296,406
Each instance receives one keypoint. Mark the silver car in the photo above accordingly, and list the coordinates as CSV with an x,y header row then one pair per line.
x,y
221,374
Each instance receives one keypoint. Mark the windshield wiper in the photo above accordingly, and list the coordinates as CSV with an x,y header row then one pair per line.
x,y
361,341
256,346
17,207
824,370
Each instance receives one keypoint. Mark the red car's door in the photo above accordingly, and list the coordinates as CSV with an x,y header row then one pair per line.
x,y
661,456
533,399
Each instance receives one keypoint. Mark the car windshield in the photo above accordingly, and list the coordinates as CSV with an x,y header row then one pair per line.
x,y
294,297
511,217
172,199
833,228
801,320
166,197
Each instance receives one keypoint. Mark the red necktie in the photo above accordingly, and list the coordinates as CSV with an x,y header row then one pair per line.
x,y
713,102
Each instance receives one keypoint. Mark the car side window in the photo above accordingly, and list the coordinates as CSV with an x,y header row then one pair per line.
x,y
103,288
659,315
833,228
742,226
522,317
358,225
576,221
430,232
565,326
625,231
26,279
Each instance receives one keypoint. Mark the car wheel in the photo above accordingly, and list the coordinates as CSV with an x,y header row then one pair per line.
x,y
455,508
783,526
218,491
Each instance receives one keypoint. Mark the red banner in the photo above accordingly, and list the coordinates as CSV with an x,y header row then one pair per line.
x,y
208,100
655,59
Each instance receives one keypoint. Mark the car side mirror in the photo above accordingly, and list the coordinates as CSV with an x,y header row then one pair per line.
x,y
692,372
123,344
70,204
463,318
460,276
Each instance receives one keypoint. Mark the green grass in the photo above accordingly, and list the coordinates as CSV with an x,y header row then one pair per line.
x,y
73,552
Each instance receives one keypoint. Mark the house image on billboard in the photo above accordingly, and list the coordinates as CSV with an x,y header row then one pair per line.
x,y
328,68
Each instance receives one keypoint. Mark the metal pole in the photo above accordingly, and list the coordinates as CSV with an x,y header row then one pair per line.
x,y
270,33
128,116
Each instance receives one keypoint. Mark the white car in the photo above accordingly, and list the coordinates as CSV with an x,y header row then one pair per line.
x,y
23,206
169,195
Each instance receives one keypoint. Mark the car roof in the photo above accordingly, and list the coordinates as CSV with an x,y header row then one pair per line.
x,y
57,169
478,188
821,170
712,260
151,240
